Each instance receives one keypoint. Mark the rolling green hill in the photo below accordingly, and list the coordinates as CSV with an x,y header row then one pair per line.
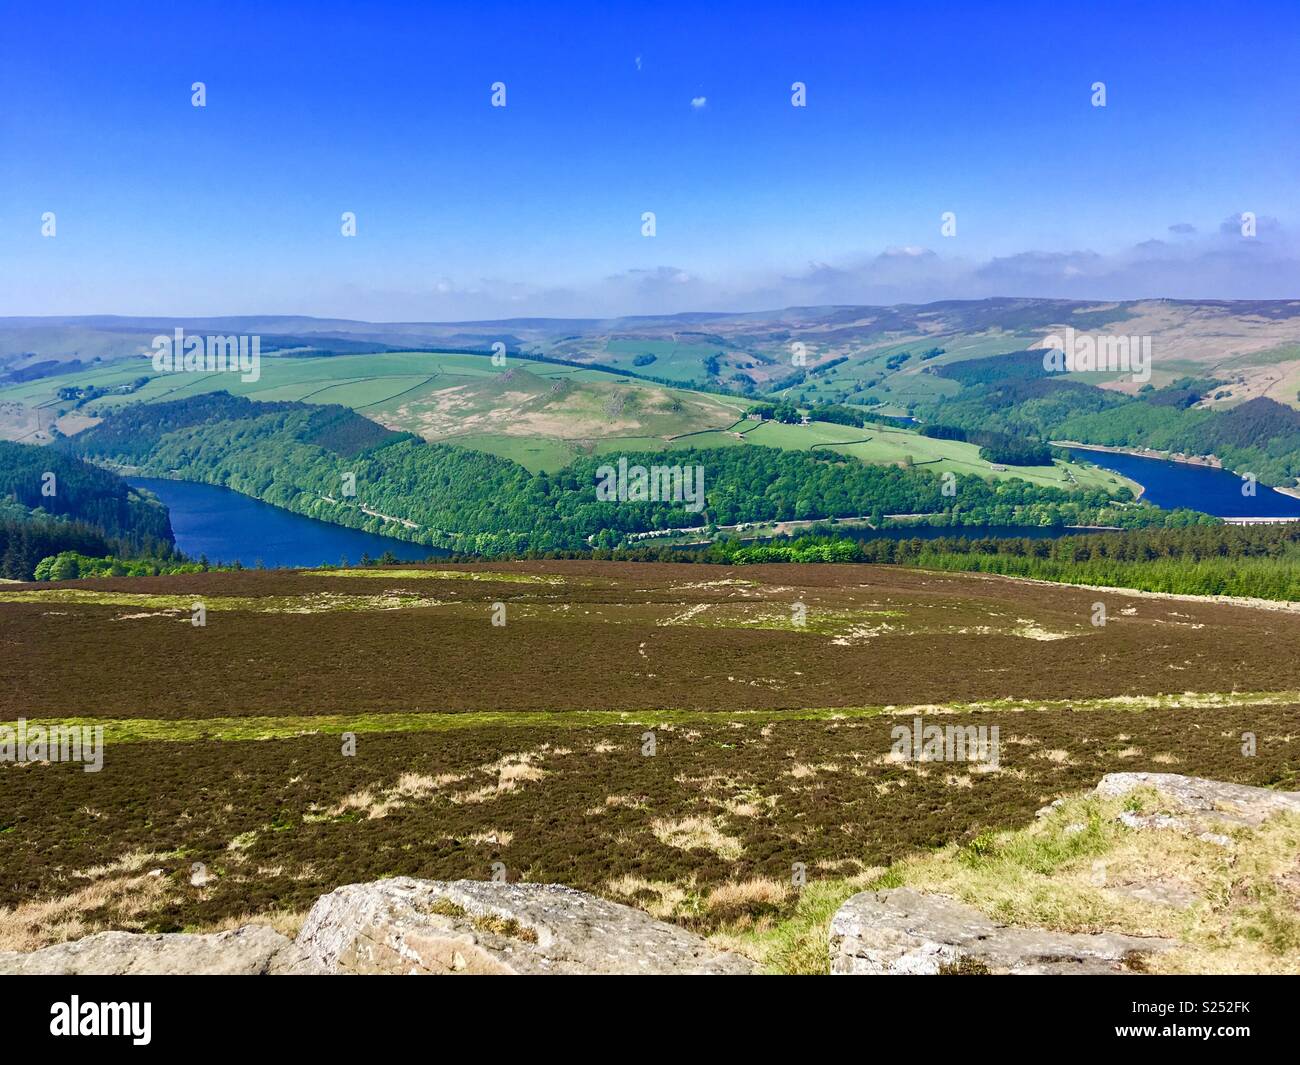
x,y
300,456
539,414
627,385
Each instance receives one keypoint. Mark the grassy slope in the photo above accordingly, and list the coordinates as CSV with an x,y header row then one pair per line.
x,y
523,418
884,445
543,415
1073,871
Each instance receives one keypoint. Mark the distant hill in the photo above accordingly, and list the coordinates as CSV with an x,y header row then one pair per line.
x,y
1253,344
577,387
539,413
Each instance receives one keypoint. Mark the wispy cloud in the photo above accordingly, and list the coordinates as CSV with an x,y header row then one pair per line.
x,y
1218,264
1210,261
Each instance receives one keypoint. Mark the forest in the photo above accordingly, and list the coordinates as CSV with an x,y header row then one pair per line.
x,y
1014,396
51,501
1259,561
296,456
62,486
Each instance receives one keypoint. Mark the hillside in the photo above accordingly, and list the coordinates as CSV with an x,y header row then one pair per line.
x,y
673,737
301,457
970,371
1254,345
539,414
52,502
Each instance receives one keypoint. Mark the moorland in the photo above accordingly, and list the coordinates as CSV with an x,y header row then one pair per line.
x,y
672,736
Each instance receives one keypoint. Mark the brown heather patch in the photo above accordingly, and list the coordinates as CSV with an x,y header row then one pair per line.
x,y
77,662
244,807
281,821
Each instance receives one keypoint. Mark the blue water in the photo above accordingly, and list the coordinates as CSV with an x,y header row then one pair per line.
x,y
230,527
1204,488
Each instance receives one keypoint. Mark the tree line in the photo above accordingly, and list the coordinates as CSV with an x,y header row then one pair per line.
x,y
470,501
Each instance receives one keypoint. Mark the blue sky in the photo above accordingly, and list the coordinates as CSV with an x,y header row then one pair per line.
x,y
465,210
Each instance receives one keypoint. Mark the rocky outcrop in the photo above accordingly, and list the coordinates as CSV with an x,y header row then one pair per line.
x,y
404,926
907,932
1202,800
471,926
246,951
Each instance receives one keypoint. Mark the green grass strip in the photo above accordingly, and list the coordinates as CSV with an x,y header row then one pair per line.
x,y
143,730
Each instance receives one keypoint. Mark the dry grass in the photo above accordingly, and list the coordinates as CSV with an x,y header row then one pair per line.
x,y
121,896
511,771
688,833
492,837
618,802
659,898
410,787
1235,909
748,900
798,944
286,922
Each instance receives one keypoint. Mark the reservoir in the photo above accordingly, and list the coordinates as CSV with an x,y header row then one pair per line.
x,y
227,526
1180,484
230,527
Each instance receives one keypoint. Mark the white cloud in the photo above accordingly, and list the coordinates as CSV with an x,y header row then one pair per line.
x,y
1210,263
699,102
1206,266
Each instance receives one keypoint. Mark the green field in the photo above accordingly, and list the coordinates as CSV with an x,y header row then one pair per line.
x,y
538,414
674,360
866,376
883,445
541,415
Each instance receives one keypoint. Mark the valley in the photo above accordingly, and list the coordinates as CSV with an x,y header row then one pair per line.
x,y
648,490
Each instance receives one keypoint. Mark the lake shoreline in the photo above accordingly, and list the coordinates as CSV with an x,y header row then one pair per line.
x,y
229,526
1200,483
1212,461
